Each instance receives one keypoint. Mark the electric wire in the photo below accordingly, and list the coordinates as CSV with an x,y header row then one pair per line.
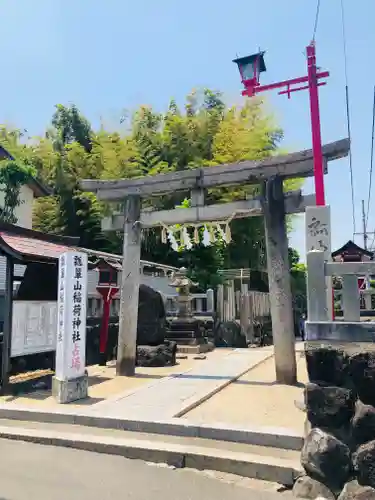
x,y
371,161
316,20
348,112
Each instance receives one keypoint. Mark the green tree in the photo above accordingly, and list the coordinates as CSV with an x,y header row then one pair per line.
x,y
202,133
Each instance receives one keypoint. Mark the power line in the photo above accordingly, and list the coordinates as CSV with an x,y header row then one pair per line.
x,y
316,19
347,110
371,159
344,40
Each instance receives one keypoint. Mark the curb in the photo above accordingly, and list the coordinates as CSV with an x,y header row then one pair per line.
x,y
262,436
268,468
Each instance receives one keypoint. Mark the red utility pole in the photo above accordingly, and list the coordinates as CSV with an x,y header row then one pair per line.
x,y
315,125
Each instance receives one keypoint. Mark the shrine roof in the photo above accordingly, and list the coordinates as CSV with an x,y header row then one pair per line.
x,y
26,245
351,246
104,262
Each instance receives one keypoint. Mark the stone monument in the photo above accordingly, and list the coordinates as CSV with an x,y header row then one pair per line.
x,y
70,382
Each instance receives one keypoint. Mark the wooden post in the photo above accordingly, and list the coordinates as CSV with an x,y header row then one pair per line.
x,y
220,303
210,299
232,302
8,318
246,319
279,281
127,336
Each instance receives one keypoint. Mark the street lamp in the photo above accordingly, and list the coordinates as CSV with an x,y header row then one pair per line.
x,y
250,68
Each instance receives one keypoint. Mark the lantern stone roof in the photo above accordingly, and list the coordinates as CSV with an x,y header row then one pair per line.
x,y
350,247
36,186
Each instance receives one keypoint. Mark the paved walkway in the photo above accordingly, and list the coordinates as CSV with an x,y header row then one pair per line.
x,y
173,396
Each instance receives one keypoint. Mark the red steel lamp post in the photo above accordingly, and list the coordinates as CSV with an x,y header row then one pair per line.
x,y
108,288
250,68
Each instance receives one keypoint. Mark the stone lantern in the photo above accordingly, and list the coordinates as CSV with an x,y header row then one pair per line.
x,y
183,283
185,329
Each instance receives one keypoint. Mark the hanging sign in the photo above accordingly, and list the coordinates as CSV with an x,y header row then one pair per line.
x,y
71,316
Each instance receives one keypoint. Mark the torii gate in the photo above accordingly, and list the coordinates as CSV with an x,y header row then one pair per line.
x,y
273,204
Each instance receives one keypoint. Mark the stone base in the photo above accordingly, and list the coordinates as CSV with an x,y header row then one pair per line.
x,y
195,349
193,341
66,391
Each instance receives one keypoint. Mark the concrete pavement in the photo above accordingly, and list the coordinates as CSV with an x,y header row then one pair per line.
x,y
36,472
173,396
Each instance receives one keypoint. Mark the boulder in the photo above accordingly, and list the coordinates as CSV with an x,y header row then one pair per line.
x,y
325,364
228,334
364,464
309,488
151,328
362,373
363,424
354,491
326,459
329,406
160,355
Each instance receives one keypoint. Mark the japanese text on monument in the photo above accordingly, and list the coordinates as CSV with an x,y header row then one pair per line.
x,y
71,328
318,230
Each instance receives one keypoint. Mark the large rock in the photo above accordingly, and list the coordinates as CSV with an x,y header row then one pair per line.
x,y
364,464
328,365
362,373
228,334
363,424
151,317
160,355
329,406
310,489
326,459
354,491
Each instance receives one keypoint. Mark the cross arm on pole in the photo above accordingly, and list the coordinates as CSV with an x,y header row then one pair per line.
x,y
251,91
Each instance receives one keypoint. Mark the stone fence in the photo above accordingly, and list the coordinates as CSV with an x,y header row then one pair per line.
x,y
338,455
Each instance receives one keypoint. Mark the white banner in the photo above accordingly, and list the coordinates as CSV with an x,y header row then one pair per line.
x,y
71,316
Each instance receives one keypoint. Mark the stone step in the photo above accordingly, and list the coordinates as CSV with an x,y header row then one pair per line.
x,y
174,334
194,349
266,463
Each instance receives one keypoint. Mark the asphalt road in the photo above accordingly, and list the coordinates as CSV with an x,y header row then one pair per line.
x,y
38,472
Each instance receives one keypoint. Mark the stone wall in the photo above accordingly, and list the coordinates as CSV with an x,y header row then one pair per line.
x,y
338,455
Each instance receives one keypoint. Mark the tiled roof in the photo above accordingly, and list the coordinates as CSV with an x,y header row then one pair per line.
x,y
32,247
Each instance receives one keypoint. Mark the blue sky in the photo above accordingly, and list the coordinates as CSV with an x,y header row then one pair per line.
x,y
114,55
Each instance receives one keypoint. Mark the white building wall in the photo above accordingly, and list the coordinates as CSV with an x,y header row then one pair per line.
x,y
24,212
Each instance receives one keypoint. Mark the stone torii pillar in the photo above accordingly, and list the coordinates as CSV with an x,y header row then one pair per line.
x,y
279,281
